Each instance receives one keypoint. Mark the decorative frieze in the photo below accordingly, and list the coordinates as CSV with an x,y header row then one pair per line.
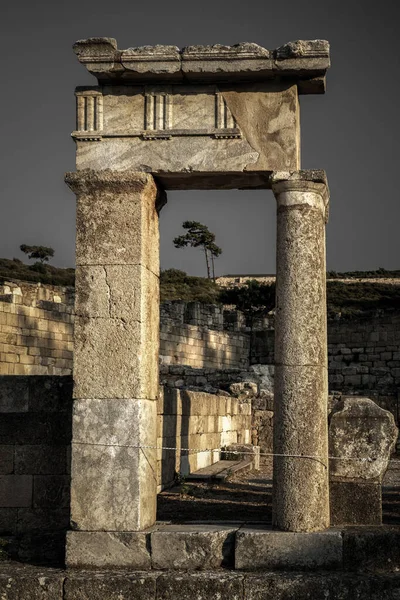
x,y
89,115
159,106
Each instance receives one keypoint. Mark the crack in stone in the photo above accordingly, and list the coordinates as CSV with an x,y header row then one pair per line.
x,y
108,292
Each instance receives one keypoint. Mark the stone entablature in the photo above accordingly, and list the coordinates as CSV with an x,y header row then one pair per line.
x,y
305,61
211,117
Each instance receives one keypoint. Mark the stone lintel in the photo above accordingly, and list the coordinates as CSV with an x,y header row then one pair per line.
x,y
304,61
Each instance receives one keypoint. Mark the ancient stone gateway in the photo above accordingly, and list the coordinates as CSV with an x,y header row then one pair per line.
x,y
207,117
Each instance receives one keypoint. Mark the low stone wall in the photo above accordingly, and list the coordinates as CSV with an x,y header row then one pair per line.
x,y
35,438
36,329
204,422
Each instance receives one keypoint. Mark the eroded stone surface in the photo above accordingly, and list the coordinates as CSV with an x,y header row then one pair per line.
x,y
113,481
193,547
100,549
306,59
300,497
363,435
260,549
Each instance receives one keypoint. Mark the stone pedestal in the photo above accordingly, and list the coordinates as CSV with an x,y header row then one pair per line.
x,y
362,436
300,493
114,480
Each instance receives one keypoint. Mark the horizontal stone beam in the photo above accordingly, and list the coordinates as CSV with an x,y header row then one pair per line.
x,y
305,61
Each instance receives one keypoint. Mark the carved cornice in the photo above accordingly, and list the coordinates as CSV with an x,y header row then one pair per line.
x,y
304,61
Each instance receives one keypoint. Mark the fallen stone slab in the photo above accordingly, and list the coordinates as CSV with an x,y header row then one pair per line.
x,y
260,548
193,547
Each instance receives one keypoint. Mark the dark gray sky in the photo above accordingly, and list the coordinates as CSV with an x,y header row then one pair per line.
x,y
352,131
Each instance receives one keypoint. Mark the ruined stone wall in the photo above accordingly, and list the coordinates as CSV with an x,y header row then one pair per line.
x,y
36,329
35,441
199,421
35,438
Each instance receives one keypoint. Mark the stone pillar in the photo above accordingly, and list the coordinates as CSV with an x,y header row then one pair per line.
x,y
301,485
116,348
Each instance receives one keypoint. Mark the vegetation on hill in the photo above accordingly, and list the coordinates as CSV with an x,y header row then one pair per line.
x,y
38,272
177,285
254,299
378,274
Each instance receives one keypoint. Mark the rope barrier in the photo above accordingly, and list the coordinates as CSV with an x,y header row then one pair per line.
x,y
238,452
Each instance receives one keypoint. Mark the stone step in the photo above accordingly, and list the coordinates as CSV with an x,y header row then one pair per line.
x,y
244,547
23,583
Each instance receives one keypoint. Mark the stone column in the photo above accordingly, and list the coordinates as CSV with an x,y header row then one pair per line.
x,y
113,487
301,485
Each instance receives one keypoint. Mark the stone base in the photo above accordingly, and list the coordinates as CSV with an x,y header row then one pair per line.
x,y
259,548
18,583
206,546
355,503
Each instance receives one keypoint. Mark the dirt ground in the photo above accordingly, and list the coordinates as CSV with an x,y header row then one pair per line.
x,y
247,496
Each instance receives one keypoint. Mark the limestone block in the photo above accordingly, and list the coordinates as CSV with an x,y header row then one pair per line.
x,y
8,521
13,394
113,482
15,491
40,460
6,460
360,429
372,550
51,491
192,547
212,585
117,221
115,359
115,291
101,549
355,503
258,549
35,586
114,586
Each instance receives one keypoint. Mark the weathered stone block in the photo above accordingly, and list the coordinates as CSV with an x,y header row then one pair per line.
x,y
363,435
371,549
355,503
113,587
261,549
108,549
13,394
51,491
126,349
117,221
210,586
50,394
15,491
31,520
20,585
8,521
304,586
114,479
6,460
40,460
191,547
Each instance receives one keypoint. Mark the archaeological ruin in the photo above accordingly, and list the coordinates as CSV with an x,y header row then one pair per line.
x,y
160,119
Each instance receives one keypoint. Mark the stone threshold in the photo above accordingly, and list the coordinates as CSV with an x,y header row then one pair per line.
x,y
34,583
240,546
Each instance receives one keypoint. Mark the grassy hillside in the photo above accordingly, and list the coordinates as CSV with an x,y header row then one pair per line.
x,y
36,273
